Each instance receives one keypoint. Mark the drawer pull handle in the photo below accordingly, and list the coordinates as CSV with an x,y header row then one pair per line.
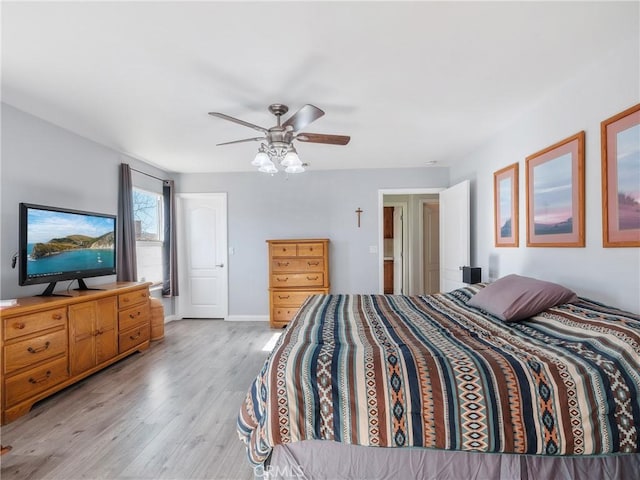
x,y
283,297
134,315
133,337
313,264
39,349
43,379
98,332
280,279
312,278
20,325
56,316
283,264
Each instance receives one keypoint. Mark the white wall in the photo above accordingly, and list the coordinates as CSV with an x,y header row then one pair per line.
x,y
315,204
45,164
609,275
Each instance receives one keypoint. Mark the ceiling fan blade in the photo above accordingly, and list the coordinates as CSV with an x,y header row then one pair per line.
x,y
323,138
255,139
303,117
237,120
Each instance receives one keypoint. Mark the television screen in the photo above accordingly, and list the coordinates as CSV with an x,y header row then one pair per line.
x,y
63,244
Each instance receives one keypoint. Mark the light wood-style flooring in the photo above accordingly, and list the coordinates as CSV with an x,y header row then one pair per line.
x,y
167,413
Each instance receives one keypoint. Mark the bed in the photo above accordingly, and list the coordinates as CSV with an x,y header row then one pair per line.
x,y
389,386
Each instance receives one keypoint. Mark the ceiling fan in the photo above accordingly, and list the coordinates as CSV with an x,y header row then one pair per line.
x,y
278,140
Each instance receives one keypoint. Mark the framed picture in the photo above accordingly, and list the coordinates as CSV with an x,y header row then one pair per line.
x,y
621,179
505,206
555,195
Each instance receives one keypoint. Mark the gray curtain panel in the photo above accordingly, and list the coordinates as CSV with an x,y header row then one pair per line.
x,y
169,253
126,234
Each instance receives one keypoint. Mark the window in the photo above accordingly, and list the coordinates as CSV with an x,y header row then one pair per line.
x,y
147,216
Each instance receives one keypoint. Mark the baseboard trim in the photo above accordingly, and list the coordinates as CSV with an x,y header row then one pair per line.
x,y
247,318
171,318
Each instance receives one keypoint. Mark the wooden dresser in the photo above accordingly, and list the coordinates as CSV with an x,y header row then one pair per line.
x,y
48,343
297,268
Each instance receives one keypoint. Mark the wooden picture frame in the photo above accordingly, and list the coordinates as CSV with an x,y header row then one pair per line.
x,y
555,194
505,207
620,143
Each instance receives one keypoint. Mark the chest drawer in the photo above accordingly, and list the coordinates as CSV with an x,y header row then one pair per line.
x,y
133,316
130,299
297,265
283,250
25,385
311,279
35,322
290,298
310,250
133,337
29,352
284,314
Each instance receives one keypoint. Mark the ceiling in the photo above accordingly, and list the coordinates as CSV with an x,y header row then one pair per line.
x,y
409,82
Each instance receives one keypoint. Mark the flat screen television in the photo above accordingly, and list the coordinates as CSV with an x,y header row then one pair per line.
x,y
59,244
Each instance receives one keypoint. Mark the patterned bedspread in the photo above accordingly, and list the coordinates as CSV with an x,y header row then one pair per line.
x,y
429,371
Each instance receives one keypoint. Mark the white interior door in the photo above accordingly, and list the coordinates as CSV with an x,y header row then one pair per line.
x,y
455,235
202,246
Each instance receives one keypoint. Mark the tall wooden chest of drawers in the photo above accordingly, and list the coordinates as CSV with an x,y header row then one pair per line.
x,y
297,268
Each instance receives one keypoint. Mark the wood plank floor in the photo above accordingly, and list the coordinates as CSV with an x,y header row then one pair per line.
x,y
167,413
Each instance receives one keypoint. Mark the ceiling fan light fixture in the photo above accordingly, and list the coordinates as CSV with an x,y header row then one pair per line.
x,y
294,169
291,159
277,152
261,158
268,167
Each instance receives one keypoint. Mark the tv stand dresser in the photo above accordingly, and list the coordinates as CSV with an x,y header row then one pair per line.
x,y
49,343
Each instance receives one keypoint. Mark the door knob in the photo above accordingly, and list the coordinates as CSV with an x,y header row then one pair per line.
x,y
220,265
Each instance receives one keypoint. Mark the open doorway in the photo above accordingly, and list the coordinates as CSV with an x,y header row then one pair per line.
x,y
409,257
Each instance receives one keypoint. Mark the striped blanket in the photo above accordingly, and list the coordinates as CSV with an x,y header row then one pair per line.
x,y
430,371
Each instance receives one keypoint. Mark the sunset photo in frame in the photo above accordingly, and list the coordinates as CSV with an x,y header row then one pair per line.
x,y
505,206
555,195
620,139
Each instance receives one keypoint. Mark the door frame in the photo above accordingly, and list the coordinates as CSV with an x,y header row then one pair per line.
x,y
404,258
381,194
181,243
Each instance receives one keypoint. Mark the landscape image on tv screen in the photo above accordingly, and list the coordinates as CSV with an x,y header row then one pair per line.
x,y
60,242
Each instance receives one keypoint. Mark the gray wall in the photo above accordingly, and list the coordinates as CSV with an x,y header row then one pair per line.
x,y
42,163
609,275
315,204
45,164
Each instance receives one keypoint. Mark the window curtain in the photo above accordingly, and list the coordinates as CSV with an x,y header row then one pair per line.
x,y
126,270
169,253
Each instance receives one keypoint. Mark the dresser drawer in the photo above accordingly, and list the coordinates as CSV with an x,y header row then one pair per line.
x,y
289,298
310,250
35,322
136,297
284,314
133,337
297,265
311,279
133,316
25,385
29,352
283,250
